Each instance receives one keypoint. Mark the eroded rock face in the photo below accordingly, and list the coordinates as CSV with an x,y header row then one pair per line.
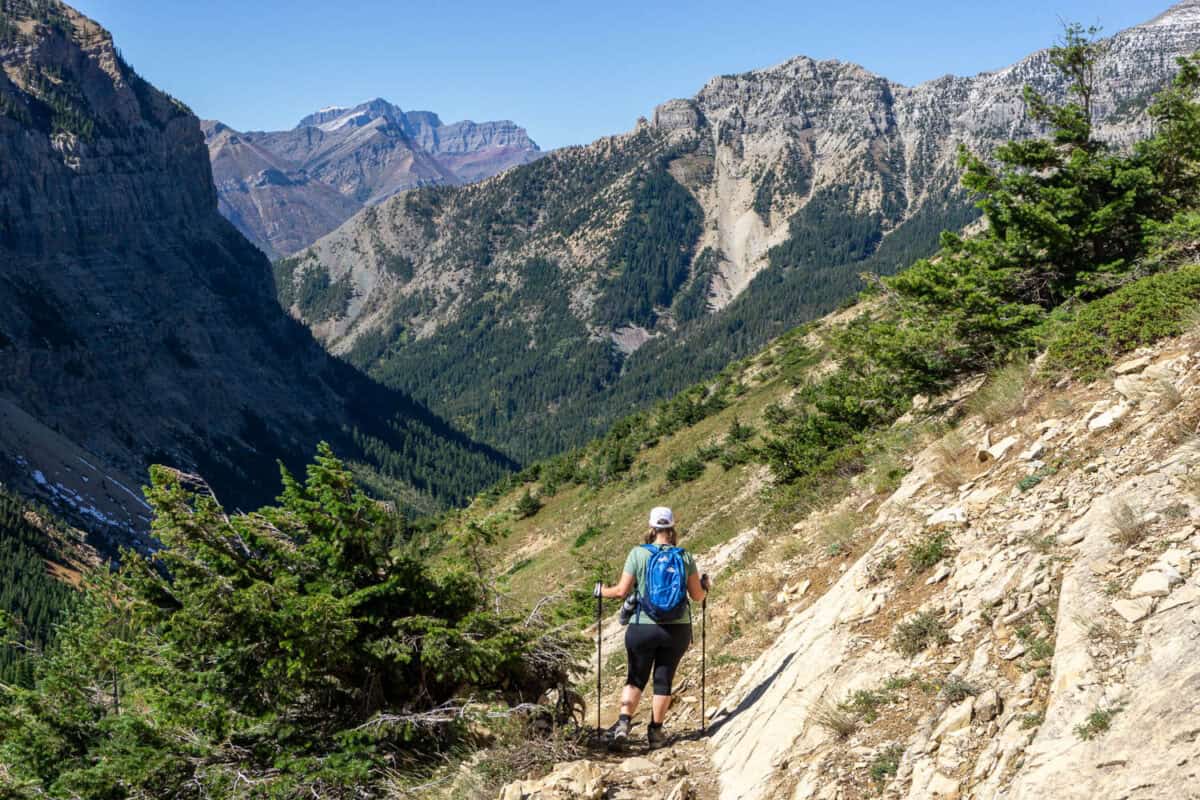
x,y
1074,654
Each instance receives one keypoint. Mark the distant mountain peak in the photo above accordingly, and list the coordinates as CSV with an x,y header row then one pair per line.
x,y
335,117
1187,11
286,189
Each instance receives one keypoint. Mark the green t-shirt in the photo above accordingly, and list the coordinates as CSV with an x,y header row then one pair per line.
x,y
635,565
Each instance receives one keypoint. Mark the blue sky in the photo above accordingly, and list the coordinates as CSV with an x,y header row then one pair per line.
x,y
569,72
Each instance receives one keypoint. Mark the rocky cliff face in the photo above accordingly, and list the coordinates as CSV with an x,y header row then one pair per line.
x,y
285,189
136,322
801,176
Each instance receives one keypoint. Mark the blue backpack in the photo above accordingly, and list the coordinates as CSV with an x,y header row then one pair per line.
x,y
665,591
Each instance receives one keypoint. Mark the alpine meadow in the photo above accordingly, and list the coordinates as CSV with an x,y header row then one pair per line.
x,y
327,454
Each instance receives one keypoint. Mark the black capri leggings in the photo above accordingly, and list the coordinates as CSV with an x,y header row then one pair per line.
x,y
655,646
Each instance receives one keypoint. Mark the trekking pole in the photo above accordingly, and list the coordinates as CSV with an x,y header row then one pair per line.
x,y
599,663
703,665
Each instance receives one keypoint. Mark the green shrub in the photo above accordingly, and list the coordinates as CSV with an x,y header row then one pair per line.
x,y
1032,720
527,505
1030,481
919,632
685,470
927,551
1139,314
739,433
735,456
867,702
886,763
1037,648
1097,722
955,689
592,530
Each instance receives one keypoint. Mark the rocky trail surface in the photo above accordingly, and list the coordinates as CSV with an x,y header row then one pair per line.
x,y
1020,618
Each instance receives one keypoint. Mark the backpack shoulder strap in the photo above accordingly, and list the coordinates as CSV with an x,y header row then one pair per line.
x,y
650,548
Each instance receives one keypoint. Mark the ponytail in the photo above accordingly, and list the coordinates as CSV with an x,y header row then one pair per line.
x,y
653,533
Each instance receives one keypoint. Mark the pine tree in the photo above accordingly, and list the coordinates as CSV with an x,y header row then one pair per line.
x,y
291,651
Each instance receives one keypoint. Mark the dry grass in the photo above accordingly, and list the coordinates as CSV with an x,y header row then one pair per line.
x,y
839,532
1104,632
881,566
1169,397
519,750
954,461
885,472
1191,483
1177,431
1003,396
838,721
1129,525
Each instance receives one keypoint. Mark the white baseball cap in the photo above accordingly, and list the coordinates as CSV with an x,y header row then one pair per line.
x,y
661,517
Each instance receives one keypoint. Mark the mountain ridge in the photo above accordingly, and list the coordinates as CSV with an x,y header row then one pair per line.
x,y
800,176
337,160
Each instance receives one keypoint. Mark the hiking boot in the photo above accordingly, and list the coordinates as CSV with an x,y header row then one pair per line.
x,y
619,733
656,737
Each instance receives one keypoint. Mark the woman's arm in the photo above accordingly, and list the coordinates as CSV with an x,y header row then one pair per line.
x,y
696,589
619,591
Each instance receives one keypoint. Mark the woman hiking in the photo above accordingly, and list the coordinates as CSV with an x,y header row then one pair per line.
x,y
658,634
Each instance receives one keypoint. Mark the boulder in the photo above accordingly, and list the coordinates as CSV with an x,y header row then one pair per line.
x,y
1034,451
1183,596
577,780
943,572
979,499
1000,449
943,787
1134,388
988,706
947,517
1109,418
1178,558
1132,365
956,718
681,791
1134,610
1151,584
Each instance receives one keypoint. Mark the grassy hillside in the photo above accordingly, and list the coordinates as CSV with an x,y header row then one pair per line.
x,y
583,530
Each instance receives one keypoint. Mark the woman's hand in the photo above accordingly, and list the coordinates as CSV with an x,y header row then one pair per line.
x,y
618,592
